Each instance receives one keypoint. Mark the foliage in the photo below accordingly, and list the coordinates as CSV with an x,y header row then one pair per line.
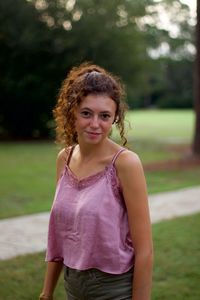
x,y
24,60
172,84
40,40
196,141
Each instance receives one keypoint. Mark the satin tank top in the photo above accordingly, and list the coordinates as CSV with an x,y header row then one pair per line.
x,y
88,226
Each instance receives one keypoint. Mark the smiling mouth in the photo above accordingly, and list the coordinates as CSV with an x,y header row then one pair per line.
x,y
93,133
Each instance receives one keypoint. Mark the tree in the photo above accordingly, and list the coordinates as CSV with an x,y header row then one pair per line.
x,y
196,142
25,84
40,40
170,40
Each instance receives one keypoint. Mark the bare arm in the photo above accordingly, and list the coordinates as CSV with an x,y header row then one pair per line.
x,y
51,278
53,268
133,183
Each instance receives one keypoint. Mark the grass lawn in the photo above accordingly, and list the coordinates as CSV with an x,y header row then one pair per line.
x,y
176,267
177,257
151,133
168,126
27,170
27,177
162,181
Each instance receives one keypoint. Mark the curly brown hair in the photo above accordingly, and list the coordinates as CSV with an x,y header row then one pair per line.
x,y
81,81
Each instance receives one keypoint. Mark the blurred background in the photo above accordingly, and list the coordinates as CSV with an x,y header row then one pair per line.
x,y
149,43
154,46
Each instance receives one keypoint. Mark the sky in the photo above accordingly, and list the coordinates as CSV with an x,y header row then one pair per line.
x,y
191,4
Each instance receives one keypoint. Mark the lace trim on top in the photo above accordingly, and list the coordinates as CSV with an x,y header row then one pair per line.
x,y
86,181
109,172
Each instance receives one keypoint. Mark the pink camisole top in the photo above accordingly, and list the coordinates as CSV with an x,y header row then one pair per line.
x,y
88,226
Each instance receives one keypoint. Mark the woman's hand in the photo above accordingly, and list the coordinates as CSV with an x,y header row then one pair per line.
x,y
45,297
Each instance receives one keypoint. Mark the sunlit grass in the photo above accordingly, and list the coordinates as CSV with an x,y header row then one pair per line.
x,y
168,126
151,133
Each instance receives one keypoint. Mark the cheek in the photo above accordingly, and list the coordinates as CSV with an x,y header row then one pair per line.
x,y
108,126
79,123
76,125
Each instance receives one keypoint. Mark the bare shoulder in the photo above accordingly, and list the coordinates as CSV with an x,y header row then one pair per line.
x,y
128,161
131,176
61,162
62,155
130,170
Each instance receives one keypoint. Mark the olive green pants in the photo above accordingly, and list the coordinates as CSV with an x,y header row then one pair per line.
x,y
93,284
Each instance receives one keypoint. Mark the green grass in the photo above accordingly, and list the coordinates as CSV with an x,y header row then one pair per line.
x,y
176,267
22,278
177,257
162,181
27,170
27,177
171,126
150,133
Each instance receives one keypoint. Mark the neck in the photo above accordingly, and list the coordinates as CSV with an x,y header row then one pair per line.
x,y
88,152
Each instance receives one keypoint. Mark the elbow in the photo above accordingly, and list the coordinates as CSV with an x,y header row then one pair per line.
x,y
145,256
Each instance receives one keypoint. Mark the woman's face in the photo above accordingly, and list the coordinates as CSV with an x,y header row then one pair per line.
x,y
94,117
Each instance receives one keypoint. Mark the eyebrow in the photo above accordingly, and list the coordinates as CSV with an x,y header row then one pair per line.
x,y
104,111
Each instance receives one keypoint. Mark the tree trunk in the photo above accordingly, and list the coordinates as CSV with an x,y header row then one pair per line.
x,y
196,141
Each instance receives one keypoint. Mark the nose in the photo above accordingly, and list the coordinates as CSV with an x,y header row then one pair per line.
x,y
94,123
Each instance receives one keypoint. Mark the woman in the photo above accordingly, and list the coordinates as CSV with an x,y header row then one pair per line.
x,y
99,227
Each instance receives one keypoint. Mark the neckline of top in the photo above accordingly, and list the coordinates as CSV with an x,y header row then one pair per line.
x,y
95,175
89,177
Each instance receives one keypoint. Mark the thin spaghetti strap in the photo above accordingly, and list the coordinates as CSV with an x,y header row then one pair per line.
x,y
70,154
117,154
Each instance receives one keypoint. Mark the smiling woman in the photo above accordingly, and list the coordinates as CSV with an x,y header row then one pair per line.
x,y
84,81
99,228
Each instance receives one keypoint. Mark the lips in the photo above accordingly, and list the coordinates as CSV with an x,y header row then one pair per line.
x,y
93,133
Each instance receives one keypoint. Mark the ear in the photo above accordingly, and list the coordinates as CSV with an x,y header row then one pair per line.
x,y
115,119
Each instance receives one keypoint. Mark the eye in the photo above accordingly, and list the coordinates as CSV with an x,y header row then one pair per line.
x,y
85,114
105,117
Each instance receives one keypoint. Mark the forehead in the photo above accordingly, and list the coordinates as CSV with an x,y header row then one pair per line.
x,y
98,103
